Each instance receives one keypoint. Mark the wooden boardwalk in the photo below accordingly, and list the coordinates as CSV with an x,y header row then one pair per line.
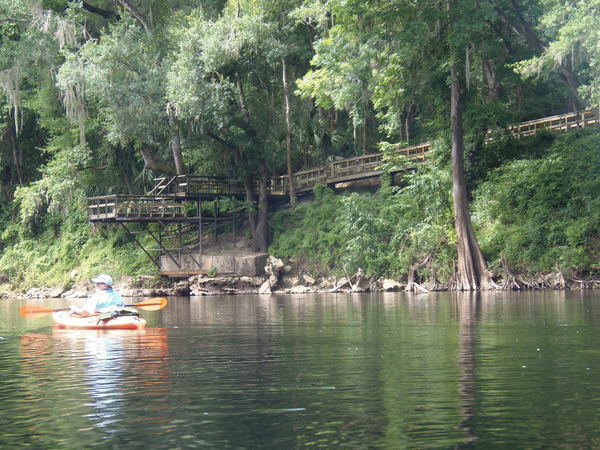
x,y
367,166
135,208
164,215
166,201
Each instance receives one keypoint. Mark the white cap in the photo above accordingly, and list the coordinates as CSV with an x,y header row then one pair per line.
x,y
103,278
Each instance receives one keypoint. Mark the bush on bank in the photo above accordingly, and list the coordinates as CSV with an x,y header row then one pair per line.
x,y
62,249
543,213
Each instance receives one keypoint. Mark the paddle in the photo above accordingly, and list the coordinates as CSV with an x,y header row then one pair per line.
x,y
152,304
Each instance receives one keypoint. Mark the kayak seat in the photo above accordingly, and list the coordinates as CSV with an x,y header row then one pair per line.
x,y
105,317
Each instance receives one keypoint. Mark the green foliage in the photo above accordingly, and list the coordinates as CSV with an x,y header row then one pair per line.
x,y
83,94
57,189
543,212
481,160
307,231
384,233
573,28
67,244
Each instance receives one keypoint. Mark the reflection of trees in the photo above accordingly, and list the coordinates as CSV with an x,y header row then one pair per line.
x,y
363,368
469,313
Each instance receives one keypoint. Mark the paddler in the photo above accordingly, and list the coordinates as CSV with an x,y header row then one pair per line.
x,y
104,300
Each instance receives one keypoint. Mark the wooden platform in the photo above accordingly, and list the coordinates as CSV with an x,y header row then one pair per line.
x,y
182,273
134,208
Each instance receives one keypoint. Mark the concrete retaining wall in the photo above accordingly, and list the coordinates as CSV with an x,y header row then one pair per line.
x,y
248,266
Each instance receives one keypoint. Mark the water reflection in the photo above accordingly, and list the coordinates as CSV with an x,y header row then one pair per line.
x,y
381,371
104,366
469,307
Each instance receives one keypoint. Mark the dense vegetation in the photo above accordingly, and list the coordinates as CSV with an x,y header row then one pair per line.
x,y
537,210
103,95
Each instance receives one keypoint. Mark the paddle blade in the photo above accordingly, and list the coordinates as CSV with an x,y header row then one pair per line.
x,y
153,304
28,311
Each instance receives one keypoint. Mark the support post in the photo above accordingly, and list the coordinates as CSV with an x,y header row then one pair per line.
x,y
233,222
156,263
199,233
161,246
216,211
159,239
200,226
179,240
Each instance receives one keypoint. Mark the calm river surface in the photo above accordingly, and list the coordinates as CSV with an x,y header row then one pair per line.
x,y
393,371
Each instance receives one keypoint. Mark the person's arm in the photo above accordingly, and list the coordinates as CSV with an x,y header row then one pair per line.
x,y
89,306
119,300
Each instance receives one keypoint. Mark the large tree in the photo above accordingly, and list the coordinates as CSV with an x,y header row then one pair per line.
x,y
412,50
230,78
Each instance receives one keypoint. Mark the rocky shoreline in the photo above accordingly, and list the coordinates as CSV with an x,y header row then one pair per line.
x,y
279,278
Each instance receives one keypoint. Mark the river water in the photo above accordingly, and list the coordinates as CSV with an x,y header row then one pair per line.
x,y
350,370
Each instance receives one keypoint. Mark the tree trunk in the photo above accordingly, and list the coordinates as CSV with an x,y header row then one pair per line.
x,y
101,12
492,82
250,189
570,80
288,136
365,136
151,163
135,13
261,236
242,98
175,141
17,153
471,272
408,116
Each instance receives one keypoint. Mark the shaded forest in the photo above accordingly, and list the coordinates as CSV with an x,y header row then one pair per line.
x,y
101,96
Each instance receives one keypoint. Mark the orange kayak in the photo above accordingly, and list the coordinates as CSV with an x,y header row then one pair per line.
x,y
64,319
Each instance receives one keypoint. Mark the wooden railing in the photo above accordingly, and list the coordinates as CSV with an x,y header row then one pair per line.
x,y
368,165
197,185
562,122
163,185
132,207
351,168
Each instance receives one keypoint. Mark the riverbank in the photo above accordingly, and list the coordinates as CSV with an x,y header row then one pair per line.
x,y
285,278
535,210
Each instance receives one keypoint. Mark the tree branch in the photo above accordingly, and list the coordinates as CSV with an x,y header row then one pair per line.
x,y
522,28
95,10
222,142
135,14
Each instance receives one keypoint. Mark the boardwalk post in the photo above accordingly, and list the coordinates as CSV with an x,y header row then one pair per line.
x,y
200,226
233,223
179,241
216,211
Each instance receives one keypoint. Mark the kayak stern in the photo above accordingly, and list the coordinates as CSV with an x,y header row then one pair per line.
x,y
64,320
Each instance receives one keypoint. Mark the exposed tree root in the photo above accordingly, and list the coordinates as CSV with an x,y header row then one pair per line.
x,y
510,281
412,285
